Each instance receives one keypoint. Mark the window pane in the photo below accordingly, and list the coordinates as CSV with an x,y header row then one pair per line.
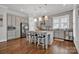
x,y
64,25
64,20
55,26
61,22
55,20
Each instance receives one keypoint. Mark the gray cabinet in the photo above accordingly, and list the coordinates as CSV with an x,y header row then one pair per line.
x,y
63,34
17,27
59,33
68,34
11,26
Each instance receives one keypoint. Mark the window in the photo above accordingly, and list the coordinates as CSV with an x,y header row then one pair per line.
x,y
56,23
61,22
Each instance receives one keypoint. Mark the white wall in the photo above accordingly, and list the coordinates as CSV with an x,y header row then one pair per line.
x,y
76,27
3,29
76,41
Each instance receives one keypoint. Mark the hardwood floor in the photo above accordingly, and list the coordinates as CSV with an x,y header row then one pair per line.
x,y
21,46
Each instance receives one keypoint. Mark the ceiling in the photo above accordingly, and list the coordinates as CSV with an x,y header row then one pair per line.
x,y
39,9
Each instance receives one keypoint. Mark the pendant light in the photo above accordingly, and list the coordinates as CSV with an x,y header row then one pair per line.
x,y
35,20
46,17
40,19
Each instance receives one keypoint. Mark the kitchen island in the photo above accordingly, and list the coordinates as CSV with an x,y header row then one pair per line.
x,y
49,35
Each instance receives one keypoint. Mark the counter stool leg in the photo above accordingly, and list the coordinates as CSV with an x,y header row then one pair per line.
x,y
35,40
46,44
29,40
43,46
38,42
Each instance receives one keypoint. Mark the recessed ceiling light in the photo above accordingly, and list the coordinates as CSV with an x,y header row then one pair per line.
x,y
22,9
45,4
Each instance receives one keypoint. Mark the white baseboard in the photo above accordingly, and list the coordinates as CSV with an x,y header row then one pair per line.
x,y
2,40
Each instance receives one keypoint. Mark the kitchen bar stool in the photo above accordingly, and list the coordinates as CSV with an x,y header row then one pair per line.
x,y
32,36
38,38
42,40
28,36
35,37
